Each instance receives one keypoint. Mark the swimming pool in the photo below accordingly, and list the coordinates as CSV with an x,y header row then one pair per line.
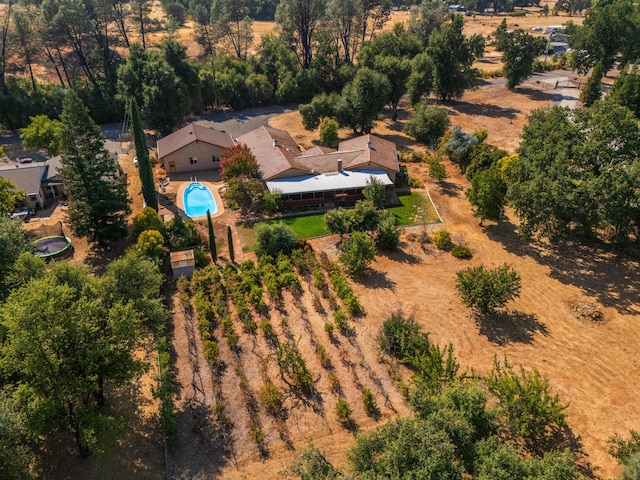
x,y
198,199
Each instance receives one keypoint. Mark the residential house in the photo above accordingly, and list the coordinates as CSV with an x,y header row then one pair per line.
x,y
321,176
192,148
39,181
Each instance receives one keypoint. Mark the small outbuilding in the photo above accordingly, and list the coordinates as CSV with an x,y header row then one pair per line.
x,y
182,263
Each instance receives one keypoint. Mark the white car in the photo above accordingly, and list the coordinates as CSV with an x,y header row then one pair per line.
x,y
536,29
135,161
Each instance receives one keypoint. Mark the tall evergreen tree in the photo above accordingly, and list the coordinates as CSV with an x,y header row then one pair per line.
x,y
212,238
592,91
230,240
98,200
144,164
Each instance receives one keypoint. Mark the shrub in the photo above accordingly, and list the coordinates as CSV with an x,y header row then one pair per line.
x,y
401,337
369,402
150,244
201,258
460,251
211,352
270,398
328,328
340,319
427,124
334,383
312,465
325,360
181,234
388,233
329,132
276,238
352,304
487,290
442,240
293,366
358,251
415,183
343,411
147,219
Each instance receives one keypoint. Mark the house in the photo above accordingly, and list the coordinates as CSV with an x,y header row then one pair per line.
x,y
182,263
557,48
321,176
193,147
39,181
456,8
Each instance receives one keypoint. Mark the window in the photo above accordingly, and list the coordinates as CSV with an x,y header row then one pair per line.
x,y
193,160
215,158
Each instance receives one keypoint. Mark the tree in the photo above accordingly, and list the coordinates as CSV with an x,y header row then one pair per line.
x,y
321,106
626,89
212,238
98,201
9,196
592,90
276,238
244,193
147,219
150,244
238,161
426,18
144,164
13,241
311,464
388,233
488,289
63,344
405,448
338,220
363,99
357,253
428,123
301,19
375,192
329,132
459,146
232,25
15,455
487,194
397,71
420,81
520,50
43,134
230,243
181,234
453,54
437,170
528,409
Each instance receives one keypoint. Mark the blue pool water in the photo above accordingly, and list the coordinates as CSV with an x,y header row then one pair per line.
x,y
198,199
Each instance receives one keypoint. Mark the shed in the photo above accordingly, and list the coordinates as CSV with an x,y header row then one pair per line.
x,y
182,263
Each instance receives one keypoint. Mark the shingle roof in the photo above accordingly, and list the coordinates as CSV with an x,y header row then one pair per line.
x,y
374,150
274,150
26,177
189,134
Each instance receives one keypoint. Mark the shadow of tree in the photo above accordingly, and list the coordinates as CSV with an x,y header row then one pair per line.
x,y
377,279
400,255
507,327
481,109
611,278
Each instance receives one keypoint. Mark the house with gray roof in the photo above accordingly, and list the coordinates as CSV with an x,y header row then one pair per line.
x,y
40,181
192,148
321,176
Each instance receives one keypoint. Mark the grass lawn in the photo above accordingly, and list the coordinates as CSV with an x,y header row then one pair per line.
x,y
307,226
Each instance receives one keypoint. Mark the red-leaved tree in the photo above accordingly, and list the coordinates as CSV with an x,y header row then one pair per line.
x,y
238,162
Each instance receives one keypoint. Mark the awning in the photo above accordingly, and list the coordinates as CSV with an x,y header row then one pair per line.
x,y
327,182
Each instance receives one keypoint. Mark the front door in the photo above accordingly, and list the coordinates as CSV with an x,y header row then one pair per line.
x,y
172,166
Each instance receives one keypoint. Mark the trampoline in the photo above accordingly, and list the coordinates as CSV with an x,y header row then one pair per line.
x,y
51,243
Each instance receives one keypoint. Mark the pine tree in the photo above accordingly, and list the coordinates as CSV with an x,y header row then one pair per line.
x,y
230,240
144,164
98,200
212,238
592,91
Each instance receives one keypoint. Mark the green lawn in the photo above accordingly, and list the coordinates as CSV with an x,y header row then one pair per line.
x,y
312,225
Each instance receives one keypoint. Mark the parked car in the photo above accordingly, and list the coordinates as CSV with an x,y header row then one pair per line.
x,y
26,160
135,161
536,29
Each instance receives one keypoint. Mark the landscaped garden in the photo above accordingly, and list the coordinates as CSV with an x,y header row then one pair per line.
x,y
415,208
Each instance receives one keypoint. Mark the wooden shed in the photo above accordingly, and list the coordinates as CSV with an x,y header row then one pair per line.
x,y
182,263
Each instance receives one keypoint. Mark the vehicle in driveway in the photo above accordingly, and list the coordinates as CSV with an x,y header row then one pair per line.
x,y
26,160
135,161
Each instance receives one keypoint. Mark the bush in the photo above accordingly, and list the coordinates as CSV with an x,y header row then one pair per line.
x,y
182,234
414,182
401,337
340,319
352,304
147,219
369,402
150,244
487,290
270,398
442,240
388,233
211,352
427,124
201,258
293,366
343,411
329,132
460,251
276,238
328,328
358,251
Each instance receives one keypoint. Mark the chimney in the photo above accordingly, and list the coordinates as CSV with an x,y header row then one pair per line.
x,y
339,164
275,142
370,145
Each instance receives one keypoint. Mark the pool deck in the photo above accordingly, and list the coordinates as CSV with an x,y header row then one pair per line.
x,y
214,188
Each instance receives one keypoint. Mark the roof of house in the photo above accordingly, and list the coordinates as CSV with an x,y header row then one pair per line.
x,y
277,152
374,150
274,149
176,257
192,133
30,177
326,182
